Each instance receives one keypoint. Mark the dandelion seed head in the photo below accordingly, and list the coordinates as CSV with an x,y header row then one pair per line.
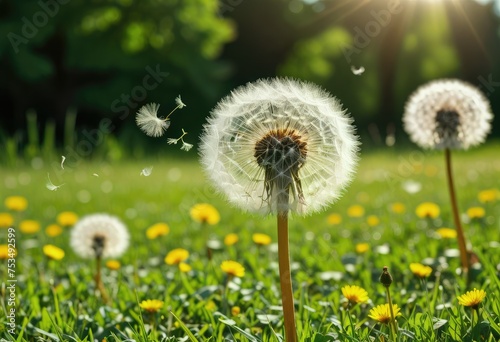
x,y
447,114
148,121
279,145
99,235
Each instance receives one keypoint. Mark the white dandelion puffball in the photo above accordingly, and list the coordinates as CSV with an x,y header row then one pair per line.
x,y
99,235
279,145
148,121
447,114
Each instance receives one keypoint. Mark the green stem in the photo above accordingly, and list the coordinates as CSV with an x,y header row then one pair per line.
x,y
394,327
460,232
285,278
98,282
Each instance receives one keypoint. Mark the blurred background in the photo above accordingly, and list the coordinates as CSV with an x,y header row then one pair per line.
x,y
74,72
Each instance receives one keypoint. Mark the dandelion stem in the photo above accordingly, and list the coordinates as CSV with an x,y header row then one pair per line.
x,y
394,327
98,282
460,232
285,278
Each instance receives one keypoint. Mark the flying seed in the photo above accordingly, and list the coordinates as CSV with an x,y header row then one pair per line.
x,y
50,185
62,162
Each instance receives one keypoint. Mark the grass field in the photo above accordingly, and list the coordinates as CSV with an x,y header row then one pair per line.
x,y
56,300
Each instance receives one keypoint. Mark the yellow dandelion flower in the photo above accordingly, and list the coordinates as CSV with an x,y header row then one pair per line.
x,y
355,294
67,218
156,230
334,219
421,271
261,239
53,230
151,305
53,252
230,239
205,213
176,256
6,220
233,268
211,306
476,212
472,298
355,211
4,252
447,233
235,310
489,195
16,203
427,210
362,247
382,313
29,226
184,268
398,208
372,220
113,265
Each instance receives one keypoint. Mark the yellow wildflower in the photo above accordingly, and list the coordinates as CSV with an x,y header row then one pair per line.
x,y
472,298
184,267
421,271
476,212
362,247
447,233
334,219
355,211
53,252
156,230
6,220
230,239
398,208
235,310
113,265
16,203
29,226
176,256
205,213
355,294
151,305
489,195
53,230
233,268
261,239
372,220
67,218
427,210
382,313
4,252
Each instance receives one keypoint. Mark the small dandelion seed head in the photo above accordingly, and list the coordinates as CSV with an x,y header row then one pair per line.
x,y
148,121
179,102
447,114
99,235
279,145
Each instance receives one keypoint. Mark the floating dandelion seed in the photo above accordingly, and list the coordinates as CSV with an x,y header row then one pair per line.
x,y
449,114
357,71
50,185
148,121
146,172
185,146
279,146
63,158
95,175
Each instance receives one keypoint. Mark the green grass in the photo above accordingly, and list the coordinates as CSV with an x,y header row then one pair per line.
x,y
57,300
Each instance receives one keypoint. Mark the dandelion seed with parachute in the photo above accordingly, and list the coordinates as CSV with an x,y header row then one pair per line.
x,y
279,146
449,114
148,121
185,146
146,172
63,158
357,71
49,185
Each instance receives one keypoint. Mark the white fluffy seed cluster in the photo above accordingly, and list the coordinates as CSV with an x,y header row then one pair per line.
x,y
447,114
148,121
248,114
112,232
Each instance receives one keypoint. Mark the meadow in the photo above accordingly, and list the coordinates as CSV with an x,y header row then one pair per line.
x,y
373,225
